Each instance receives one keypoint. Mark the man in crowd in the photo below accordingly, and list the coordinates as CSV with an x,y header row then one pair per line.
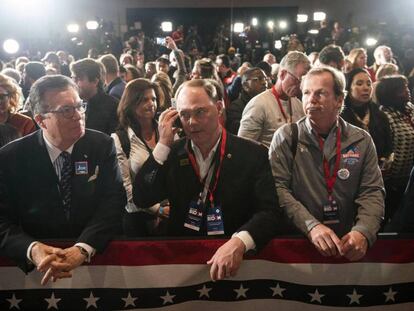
x,y
253,83
61,182
224,70
114,84
383,55
269,58
268,111
101,109
332,55
209,199
327,175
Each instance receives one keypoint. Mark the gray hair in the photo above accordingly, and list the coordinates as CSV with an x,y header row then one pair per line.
x,y
378,50
292,59
38,105
337,76
205,84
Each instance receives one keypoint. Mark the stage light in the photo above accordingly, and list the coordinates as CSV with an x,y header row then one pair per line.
x,y
255,22
92,25
302,18
166,26
319,16
371,41
313,31
11,46
283,24
238,27
278,44
270,24
72,28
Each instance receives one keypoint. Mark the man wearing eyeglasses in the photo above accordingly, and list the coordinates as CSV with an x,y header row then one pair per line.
x,y
253,83
61,182
217,183
268,111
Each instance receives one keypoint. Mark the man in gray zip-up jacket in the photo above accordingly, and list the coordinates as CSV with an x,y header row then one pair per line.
x,y
338,204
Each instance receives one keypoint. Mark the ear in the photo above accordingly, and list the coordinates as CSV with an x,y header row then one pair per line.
x,y
340,101
40,121
96,82
282,74
220,106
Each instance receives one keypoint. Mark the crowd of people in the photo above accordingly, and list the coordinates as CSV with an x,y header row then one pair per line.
x,y
320,145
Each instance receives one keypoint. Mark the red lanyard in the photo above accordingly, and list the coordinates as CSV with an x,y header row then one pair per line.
x,y
330,180
282,110
197,169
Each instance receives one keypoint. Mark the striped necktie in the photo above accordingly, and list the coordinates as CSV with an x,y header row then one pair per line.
x,y
66,181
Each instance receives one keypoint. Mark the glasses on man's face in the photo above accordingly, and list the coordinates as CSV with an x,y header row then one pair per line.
x,y
69,111
297,80
4,97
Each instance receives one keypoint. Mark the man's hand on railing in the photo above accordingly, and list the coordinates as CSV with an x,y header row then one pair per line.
x,y
227,259
354,245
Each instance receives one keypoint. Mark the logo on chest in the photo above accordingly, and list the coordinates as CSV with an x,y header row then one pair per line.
x,y
351,155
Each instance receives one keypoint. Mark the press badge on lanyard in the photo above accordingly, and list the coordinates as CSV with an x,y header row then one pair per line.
x,y
196,209
330,208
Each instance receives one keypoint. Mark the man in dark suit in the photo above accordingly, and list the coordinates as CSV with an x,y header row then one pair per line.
x,y
61,182
101,112
216,183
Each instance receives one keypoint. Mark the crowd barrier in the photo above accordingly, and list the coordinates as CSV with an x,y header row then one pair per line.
x,y
289,274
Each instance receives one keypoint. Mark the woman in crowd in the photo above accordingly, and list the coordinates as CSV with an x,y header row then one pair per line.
x,y
134,141
360,111
9,100
164,82
394,97
358,58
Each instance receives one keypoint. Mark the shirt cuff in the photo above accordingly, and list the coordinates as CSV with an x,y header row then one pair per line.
x,y
91,251
160,153
246,239
29,251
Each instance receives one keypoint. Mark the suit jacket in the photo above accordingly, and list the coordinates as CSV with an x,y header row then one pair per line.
x,y
101,113
245,189
31,205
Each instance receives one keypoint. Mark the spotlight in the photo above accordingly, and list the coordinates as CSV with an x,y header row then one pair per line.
x,y
278,44
313,31
319,16
11,46
238,27
302,18
92,25
283,24
371,41
72,28
255,22
270,24
166,26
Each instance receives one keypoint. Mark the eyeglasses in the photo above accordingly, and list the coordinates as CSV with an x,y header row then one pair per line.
x,y
69,111
298,80
4,97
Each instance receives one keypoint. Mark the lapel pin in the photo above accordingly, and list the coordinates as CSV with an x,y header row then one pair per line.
x,y
229,155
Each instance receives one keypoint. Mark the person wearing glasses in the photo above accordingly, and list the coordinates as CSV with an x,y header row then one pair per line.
x,y
269,110
253,83
9,99
61,182
217,183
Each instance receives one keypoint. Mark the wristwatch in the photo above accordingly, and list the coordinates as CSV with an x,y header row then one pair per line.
x,y
84,252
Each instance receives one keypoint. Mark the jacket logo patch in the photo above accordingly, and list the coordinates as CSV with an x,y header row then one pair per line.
x,y
351,155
